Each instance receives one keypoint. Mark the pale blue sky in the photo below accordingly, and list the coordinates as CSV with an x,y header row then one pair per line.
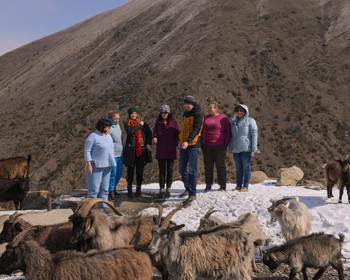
x,y
24,21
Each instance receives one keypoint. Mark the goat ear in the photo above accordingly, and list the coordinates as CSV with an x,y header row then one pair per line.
x,y
175,228
19,227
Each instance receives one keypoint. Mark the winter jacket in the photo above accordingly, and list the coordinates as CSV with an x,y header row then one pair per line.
x,y
244,133
130,142
167,138
192,122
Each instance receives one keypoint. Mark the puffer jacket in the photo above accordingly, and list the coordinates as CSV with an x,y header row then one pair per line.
x,y
244,133
192,122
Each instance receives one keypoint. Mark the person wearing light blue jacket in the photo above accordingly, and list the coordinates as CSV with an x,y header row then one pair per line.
x,y
116,133
99,160
243,144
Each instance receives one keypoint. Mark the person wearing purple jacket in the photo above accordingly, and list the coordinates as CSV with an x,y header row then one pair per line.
x,y
216,135
166,137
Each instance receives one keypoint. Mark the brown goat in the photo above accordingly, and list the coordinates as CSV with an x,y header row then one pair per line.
x,y
15,167
338,172
124,263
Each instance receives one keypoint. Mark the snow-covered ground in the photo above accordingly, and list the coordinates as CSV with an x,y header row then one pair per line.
x,y
327,215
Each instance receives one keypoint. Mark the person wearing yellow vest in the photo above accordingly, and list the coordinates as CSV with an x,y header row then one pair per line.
x,y
189,138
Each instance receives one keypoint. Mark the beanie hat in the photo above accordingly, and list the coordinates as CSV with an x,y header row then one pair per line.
x,y
133,110
165,108
189,99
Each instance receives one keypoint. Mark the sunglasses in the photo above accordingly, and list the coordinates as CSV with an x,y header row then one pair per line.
x,y
239,110
163,113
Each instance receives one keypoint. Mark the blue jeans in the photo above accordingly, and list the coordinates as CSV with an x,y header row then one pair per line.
x,y
98,182
243,169
116,173
188,169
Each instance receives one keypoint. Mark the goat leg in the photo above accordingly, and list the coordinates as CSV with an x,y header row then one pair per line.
x,y
341,191
348,191
329,191
293,274
319,273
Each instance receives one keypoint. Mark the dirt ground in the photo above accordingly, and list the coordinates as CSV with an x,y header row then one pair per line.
x,y
133,206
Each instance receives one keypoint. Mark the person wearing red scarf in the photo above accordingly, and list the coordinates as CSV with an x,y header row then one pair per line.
x,y
137,148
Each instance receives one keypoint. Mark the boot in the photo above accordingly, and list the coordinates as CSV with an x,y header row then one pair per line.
x,y
130,195
161,193
167,192
138,191
111,196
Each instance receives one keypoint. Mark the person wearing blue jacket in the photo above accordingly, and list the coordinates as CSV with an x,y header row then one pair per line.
x,y
117,171
243,144
99,160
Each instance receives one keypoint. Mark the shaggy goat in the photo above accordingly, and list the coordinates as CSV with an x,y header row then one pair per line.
x,y
54,237
12,227
14,189
317,250
294,220
246,222
124,263
15,167
338,172
274,204
94,229
217,252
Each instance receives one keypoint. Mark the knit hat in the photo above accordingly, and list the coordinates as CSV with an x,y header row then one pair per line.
x,y
133,110
189,99
165,108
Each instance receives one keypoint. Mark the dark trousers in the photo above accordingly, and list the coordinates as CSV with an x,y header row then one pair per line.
x,y
166,167
214,155
139,166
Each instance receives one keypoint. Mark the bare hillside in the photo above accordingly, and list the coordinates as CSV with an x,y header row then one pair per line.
x,y
287,60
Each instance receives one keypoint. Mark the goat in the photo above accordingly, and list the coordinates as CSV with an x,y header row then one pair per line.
x,y
338,172
94,229
294,220
274,204
12,227
317,250
54,237
246,222
15,167
217,252
14,189
124,263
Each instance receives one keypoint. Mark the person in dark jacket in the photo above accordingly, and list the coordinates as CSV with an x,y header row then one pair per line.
x,y
137,148
189,137
166,137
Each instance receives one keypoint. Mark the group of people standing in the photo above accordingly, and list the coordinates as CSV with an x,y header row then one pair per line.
x,y
105,153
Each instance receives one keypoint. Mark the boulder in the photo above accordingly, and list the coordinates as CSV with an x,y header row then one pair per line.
x,y
258,177
289,176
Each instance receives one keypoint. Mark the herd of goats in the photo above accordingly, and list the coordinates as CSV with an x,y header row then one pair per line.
x,y
99,244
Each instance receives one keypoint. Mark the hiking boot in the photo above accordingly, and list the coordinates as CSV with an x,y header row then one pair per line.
x,y
222,188
130,195
237,189
184,194
243,189
161,193
167,193
138,191
111,196
207,188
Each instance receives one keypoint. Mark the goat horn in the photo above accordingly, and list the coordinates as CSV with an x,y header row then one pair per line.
x,y
167,219
21,236
210,211
88,204
14,217
160,214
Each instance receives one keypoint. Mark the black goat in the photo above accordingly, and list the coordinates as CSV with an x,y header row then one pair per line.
x,y
15,190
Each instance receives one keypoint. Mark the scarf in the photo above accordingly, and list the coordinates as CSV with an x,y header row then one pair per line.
x,y
138,135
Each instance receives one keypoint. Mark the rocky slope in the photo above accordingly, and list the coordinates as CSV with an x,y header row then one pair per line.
x,y
288,61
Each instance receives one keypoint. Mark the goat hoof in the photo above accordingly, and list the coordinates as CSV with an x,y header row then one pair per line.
x,y
339,201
